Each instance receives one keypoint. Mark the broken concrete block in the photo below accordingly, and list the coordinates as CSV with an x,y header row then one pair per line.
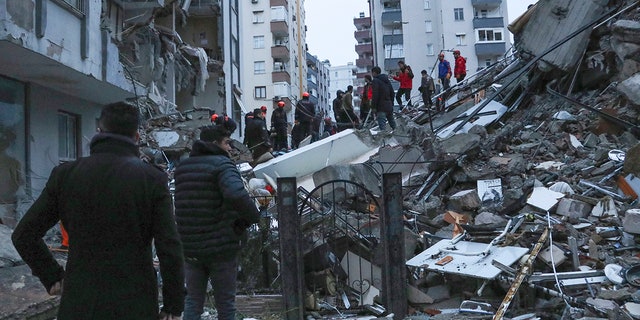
x,y
488,218
631,89
417,296
573,208
552,255
632,160
605,207
439,293
631,221
626,30
465,200
7,250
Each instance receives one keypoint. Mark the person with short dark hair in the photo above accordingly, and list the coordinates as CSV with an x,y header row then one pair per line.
x,y
114,206
427,88
444,71
347,107
365,102
258,137
213,211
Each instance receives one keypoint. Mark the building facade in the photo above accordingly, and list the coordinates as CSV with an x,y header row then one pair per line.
x,y
318,83
364,49
61,60
274,54
417,30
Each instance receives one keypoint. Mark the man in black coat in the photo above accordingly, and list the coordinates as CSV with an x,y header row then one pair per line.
x,y
258,137
279,127
113,206
213,210
305,112
382,98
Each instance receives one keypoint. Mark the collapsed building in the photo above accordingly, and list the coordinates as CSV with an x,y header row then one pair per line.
x,y
519,201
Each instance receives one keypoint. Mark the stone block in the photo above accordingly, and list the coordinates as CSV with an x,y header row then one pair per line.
x,y
631,221
573,208
465,200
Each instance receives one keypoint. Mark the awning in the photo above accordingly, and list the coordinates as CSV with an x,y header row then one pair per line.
x,y
240,103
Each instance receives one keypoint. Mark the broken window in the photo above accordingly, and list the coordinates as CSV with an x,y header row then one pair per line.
x,y
12,143
67,136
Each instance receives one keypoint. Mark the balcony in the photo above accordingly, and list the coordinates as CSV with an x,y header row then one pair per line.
x,y
279,3
279,28
362,22
280,76
204,8
280,52
391,17
364,62
364,48
488,22
362,34
486,4
392,39
491,49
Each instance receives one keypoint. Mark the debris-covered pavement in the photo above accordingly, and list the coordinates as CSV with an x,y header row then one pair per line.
x,y
519,200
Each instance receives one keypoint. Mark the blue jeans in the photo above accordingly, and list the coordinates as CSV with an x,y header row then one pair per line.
x,y
383,117
223,280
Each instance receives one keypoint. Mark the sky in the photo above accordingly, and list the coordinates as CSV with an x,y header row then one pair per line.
x,y
330,26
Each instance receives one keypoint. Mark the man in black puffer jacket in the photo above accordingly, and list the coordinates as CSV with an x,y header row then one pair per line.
x,y
213,211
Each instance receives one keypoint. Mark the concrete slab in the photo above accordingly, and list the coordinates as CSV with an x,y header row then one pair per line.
x,y
343,147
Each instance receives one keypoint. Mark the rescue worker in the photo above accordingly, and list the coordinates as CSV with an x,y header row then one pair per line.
x,y
279,127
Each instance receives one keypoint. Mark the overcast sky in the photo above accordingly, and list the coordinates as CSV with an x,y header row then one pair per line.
x,y
330,26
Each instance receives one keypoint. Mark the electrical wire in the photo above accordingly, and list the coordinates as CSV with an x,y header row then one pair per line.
x,y
553,263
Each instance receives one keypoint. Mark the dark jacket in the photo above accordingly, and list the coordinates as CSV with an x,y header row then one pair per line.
x,y
338,111
213,209
305,111
113,206
258,137
382,99
279,119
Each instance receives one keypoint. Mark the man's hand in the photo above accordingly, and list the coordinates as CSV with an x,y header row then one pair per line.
x,y
448,76
164,316
56,289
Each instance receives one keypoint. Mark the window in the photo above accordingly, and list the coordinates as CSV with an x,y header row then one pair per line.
x,y
460,39
258,42
458,14
258,67
427,4
13,140
260,92
67,136
482,13
258,17
489,35
428,26
78,5
393,51
430,49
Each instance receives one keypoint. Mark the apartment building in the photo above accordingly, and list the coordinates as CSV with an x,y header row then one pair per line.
x,y
318,83
364,49
274,34
61,60
417,30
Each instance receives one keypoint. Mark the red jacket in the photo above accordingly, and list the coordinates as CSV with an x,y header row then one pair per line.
x,y
405,81
460,67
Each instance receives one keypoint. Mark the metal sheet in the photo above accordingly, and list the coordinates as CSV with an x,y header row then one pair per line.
x,y
476,266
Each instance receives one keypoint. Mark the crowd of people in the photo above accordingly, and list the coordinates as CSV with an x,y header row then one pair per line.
x,y
113,226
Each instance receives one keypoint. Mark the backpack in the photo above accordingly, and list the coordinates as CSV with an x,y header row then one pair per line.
x,y
410,72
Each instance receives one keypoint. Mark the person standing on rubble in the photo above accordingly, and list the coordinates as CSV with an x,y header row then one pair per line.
x,y
213,211
444,71
405,77
113,206
382,99
460,66
258,137
347,106
305,111
279,127
338,112
427,88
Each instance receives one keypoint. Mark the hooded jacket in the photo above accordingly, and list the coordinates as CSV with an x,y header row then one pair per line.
x,y
382,99
213,208
113,205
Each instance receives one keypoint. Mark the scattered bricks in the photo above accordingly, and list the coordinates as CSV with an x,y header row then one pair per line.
x,y
465,200
573,208
631,221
